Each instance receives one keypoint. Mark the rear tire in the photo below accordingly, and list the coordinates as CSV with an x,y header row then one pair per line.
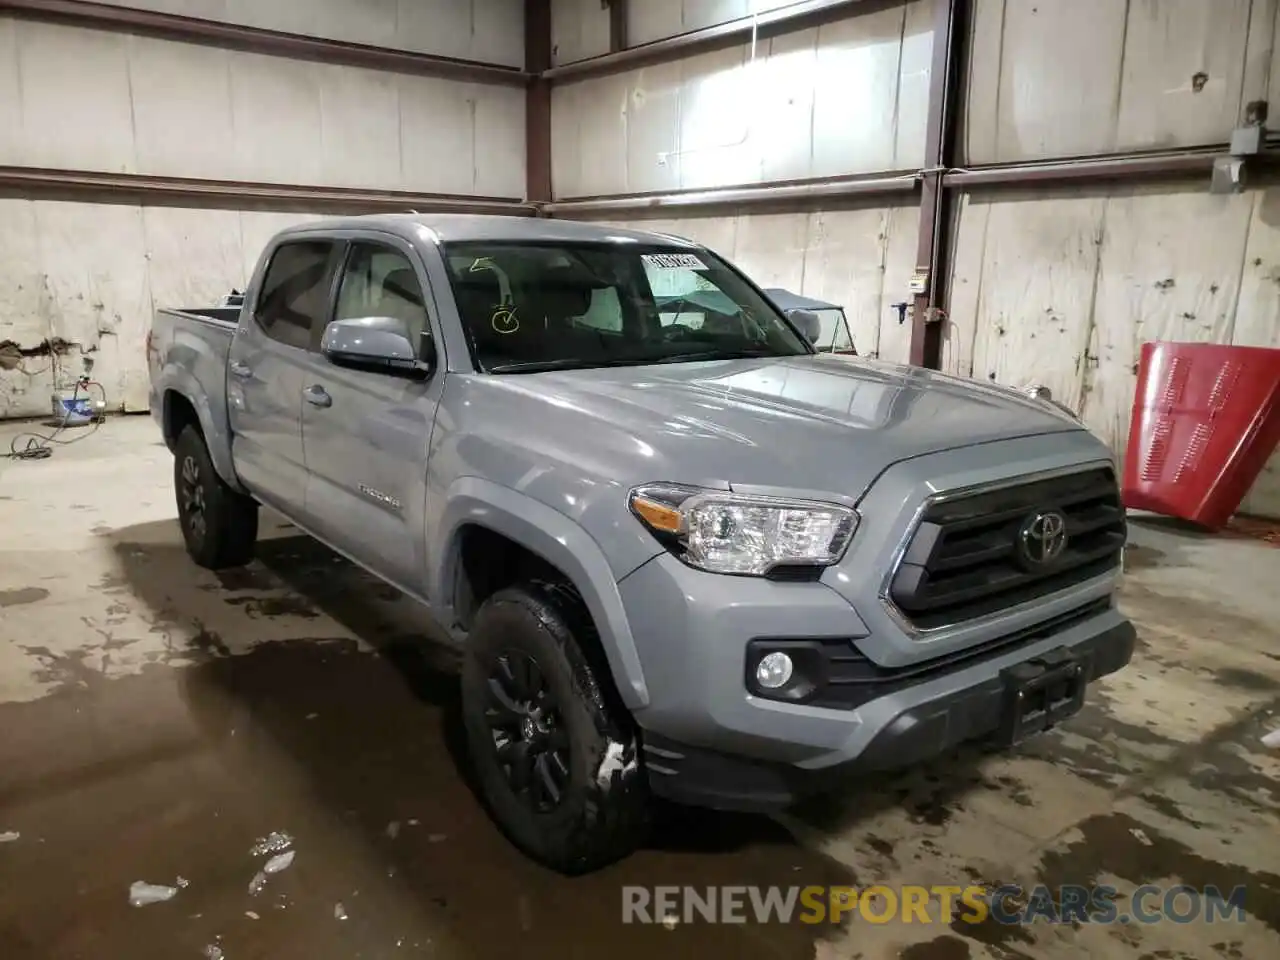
x,y
219,525
555,757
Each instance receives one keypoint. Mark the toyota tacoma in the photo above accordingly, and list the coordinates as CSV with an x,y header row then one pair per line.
x,y
683,553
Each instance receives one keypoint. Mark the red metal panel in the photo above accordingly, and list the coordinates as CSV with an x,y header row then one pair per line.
x,y
1206,418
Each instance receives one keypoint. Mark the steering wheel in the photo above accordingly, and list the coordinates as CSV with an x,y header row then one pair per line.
x,y
675,332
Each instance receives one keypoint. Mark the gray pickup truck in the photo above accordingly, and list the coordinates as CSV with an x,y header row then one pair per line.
x,y
685,555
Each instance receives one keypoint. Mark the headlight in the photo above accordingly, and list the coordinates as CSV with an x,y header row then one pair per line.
x,y
732,533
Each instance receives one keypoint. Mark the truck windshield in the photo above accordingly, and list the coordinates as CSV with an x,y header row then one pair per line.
x,y
530,307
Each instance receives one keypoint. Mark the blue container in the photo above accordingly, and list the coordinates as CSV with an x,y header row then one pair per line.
x,y
70,410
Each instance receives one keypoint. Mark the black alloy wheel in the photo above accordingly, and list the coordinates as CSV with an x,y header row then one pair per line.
x,y
531,742
191,505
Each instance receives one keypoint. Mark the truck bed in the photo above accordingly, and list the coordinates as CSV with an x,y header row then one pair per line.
x,y
187,358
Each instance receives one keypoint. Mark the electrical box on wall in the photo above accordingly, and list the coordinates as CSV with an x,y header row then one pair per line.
x,y
919,284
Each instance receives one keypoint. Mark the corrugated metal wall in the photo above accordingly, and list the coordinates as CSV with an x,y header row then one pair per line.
x,y
90,100
1064,285
93,273
845,98
83,99
1052,79
581,27
487,30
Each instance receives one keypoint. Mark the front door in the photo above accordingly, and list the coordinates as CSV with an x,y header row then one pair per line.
x,y
366,434
264,370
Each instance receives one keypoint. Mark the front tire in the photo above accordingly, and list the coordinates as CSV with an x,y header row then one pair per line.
x,y
219,525
556,760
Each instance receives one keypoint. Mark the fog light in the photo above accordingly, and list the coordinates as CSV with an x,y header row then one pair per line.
x,y
774,670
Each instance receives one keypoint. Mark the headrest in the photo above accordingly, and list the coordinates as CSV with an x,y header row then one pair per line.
x,y
809,324
403,283
564,293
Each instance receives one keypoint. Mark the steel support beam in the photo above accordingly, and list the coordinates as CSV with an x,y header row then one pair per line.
x,y
537,114
618,10
789,194
230,36
788,19
1160,165
132,188
950,32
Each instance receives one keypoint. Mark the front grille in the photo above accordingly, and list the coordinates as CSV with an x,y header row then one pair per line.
x,y
975,554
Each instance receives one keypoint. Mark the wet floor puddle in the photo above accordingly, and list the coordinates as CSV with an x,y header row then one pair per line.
x,y
170,778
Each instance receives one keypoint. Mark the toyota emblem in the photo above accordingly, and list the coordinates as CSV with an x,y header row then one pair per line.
x,y
1043,538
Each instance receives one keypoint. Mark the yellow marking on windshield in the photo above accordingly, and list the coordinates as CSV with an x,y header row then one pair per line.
x,y
504,321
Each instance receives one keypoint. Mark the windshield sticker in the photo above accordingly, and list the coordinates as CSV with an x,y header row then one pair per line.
x,y
677,261
504,321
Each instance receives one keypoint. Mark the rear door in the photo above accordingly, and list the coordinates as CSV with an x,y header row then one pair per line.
x,y
366,434
265,370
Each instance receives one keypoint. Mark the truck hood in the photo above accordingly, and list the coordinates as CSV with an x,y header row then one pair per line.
x,y
818,424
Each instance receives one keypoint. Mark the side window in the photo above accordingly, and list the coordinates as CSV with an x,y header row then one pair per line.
x,y
381,282
295,291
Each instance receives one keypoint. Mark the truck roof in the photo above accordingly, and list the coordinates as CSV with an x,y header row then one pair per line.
x,y
452,227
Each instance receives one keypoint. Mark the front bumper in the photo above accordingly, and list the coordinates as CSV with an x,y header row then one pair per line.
x,y
709,741
917,734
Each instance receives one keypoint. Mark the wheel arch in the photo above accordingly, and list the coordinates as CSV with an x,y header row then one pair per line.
x,y
553,539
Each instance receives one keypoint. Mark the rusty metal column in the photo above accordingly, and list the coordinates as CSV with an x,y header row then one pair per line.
x,y
932,256
617,25
537,60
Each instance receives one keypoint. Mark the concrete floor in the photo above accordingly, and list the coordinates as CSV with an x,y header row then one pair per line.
x,y
155,720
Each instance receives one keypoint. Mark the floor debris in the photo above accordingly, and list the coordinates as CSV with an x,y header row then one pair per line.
x,y
214,952
393,829
251,915
142,894
275,842
1272,739
279,862
339,912
9,836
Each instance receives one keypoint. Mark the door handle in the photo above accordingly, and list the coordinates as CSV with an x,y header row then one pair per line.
x,y
317,396
240,369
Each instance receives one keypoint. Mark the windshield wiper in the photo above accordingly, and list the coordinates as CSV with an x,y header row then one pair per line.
x,y
566,363
577,363
744,354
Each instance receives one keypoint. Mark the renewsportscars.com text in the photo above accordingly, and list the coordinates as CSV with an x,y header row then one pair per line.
x,y
1010,905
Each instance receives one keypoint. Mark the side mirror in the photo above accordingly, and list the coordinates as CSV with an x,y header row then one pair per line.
x,y
380,344
809,325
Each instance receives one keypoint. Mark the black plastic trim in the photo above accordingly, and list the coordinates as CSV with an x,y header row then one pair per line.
x,y
711,778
